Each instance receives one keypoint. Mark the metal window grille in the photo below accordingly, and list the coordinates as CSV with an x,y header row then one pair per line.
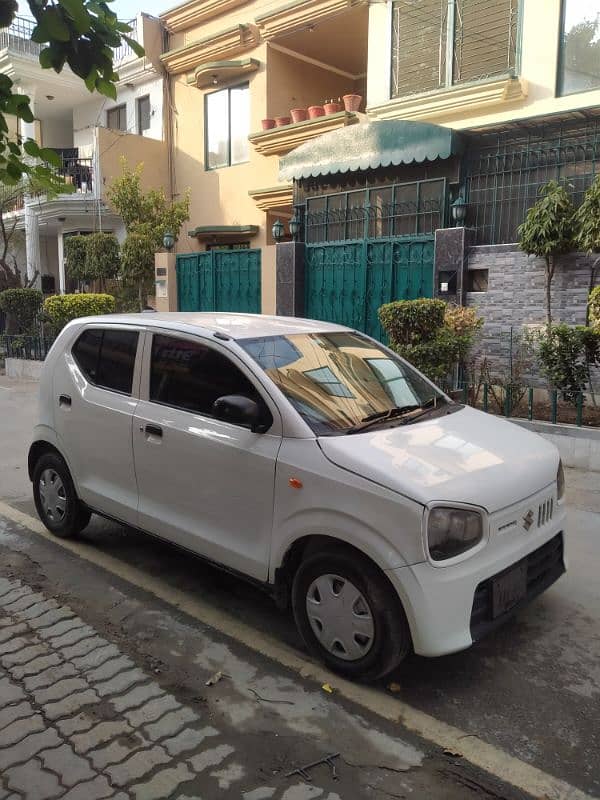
x,y
485,39
418,45
17,37
504,173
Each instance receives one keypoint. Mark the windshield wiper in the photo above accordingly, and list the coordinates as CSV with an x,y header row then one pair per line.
x,y
394,413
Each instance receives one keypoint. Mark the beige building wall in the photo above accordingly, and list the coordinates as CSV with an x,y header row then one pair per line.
x,y
112,146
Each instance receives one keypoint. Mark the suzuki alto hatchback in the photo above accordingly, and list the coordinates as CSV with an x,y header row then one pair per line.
x,y
307,457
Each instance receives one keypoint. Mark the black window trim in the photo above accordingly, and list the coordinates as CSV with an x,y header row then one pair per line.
x,y
221,351
138,119
102,328
228,89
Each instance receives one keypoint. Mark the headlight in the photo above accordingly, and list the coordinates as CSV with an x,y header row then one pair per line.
x,y
560,481
452,531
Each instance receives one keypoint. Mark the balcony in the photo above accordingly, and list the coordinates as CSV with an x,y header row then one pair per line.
x,y
17,37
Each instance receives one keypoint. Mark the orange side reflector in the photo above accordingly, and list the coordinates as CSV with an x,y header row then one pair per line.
x,y
295,483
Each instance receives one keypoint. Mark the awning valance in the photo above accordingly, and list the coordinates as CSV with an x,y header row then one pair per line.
x,y
370,145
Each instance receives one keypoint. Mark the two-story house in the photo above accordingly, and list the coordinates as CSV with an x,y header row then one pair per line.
x,y
90,133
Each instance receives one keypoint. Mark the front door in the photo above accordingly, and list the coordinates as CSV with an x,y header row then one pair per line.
x,y
205,484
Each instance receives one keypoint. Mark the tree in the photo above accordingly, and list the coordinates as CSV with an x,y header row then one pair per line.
x,y
548,232
80,33
11,197
102,256
147,217
587,231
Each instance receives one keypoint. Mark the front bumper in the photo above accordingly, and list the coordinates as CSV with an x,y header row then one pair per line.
x,y
449,608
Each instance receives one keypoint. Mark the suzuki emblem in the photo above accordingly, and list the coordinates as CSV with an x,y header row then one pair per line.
x,y
528,520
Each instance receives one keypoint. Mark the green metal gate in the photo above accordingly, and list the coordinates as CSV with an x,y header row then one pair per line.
x,y
347,282
219,280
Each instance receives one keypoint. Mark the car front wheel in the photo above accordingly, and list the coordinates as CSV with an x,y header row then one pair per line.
x,y
349,615
55,497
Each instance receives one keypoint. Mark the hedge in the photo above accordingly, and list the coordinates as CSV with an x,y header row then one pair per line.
x,y
21,307
594,302
62,308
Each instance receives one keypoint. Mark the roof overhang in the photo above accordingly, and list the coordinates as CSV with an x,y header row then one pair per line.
x,y
210,233
370,145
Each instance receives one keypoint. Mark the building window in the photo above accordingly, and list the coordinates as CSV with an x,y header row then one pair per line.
x,y
143,113
477,280
227,126
579,62
116,118
439,43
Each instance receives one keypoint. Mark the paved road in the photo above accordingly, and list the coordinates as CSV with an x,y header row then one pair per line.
x,y
532,690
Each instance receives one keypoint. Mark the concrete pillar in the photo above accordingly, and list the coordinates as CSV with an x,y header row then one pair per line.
x,y
289,279
450,263
165,279
61,259
32,241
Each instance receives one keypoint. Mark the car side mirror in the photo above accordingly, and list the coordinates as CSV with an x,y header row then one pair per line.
x,y
237,409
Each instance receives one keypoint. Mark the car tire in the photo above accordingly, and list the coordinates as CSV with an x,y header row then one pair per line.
x,y
55,497
374,636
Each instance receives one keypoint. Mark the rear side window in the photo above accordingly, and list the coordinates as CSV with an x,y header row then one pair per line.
x,y
107,357
191,376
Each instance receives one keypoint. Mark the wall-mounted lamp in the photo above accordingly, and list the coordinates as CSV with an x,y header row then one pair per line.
x,y
459,210
277,230
294,226
215,80
168,240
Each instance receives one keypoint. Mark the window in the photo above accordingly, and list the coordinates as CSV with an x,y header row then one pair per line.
x,y
107,357
116,118
143,113
480,36
579,63
191,376
477,280
227,126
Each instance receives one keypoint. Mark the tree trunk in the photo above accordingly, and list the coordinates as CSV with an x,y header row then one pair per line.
x,y
549,276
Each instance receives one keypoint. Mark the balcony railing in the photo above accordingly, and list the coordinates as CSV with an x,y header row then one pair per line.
x,y
78,172
124,52
17,37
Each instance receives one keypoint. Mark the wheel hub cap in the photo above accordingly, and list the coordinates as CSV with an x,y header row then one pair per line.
x,y
340,617
53,495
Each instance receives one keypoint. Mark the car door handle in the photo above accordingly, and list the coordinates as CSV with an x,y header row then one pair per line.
x,y
154,430
64,400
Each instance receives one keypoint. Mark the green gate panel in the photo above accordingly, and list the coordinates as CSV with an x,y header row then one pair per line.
x,y
335,281
219,280
188,286
206,282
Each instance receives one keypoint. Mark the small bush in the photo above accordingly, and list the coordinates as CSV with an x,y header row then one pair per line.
x,y
21,307
432,335
62,308
76,258
102,251
594,306
566,355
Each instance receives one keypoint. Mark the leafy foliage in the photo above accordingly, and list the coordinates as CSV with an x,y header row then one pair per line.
x,y
80,33
137,260
566,354
21,307
432,335
594,308
548,231
587,228
62,308
76,258
102,255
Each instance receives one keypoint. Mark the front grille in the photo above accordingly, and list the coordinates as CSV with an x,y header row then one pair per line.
x,y
545,512
544,566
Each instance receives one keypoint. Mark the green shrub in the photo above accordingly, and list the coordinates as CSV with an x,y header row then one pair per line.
x,y
432,335
566,355
62,308
21,307
594,308
102,255
76,258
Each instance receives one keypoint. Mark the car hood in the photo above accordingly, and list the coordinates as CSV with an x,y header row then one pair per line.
x,y
466,456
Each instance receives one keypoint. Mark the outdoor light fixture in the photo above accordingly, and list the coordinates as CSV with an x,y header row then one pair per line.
x,y
294,225
215,80
168,240
277,230
459,209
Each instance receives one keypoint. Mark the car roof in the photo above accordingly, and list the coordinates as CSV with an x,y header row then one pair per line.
x,y
236,326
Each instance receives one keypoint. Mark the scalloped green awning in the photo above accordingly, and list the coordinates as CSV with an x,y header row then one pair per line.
x,y
370,145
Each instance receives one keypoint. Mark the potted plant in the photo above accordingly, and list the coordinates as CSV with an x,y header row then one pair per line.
x,y
332,106
315,111
281,121
352,102
299,114
267,124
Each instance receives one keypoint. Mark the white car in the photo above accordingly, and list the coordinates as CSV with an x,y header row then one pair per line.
x,y
307,457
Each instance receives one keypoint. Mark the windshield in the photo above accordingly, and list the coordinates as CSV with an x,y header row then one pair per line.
x,y
336,381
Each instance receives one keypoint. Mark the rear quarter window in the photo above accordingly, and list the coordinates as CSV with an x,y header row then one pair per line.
x,y
106,356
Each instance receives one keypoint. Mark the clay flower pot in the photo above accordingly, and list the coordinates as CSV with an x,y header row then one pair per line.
x,y
267,124
281,121
299,114
332,108
315,111
352,102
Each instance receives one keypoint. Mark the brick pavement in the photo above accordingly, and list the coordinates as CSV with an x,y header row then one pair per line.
x,y
80,721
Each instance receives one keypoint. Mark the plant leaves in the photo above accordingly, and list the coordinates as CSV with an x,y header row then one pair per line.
x,y
135,46
106,88
55,25
76,10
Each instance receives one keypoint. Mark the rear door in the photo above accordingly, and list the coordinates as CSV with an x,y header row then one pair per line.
x,y
96,388
206,484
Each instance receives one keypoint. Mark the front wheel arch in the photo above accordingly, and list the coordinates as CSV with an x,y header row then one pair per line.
x,y
36,451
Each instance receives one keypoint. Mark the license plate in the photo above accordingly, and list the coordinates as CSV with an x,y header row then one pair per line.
x,y
509,589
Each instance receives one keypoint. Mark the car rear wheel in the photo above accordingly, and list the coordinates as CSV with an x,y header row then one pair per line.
x,y
55,497
349,615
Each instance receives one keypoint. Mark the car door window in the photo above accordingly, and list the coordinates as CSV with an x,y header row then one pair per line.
x,y
107,357
191,376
